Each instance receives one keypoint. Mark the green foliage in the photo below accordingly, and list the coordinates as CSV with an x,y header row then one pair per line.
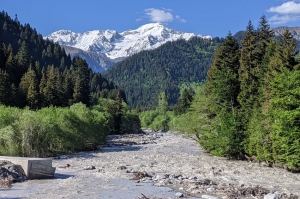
x,y
184,102
51,130
162,106
285,134
160,122
145,75
147,118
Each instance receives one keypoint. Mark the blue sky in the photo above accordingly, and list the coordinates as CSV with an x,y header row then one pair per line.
x,y
207,17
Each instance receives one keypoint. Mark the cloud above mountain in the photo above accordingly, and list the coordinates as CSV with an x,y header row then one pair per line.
x,y
160,15
287,12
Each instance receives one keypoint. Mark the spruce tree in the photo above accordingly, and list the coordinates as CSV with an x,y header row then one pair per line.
x,y
284,105
257,142
28,88
223,86
162,107
4,87
51,91
115,108
248,75
184,102
81,85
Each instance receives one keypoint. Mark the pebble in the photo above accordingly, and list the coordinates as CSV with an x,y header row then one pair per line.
x,y
211,189
179,195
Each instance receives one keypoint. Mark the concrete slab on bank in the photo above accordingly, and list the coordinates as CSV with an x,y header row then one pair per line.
x,y
34,168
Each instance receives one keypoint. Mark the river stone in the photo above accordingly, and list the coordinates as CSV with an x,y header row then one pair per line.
x,y
209,197
90,167
211,189
179,195
271,196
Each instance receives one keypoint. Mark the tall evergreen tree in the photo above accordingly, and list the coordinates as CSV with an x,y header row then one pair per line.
x,y
115,108
23,57
248,74
163,106
223,85
51,91
81,85
4,86
183,102
28,88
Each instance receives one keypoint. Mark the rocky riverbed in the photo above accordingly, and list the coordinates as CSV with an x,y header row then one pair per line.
x,y
157,165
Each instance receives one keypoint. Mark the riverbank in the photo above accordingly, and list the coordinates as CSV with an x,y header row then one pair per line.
x,y
155,164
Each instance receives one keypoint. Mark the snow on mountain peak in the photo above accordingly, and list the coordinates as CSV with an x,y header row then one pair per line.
x,y
115,45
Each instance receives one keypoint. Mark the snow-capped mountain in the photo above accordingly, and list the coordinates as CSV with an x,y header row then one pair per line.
x,y
108,47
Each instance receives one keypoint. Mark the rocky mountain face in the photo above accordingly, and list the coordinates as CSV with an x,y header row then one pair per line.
x,y
102,49
294,30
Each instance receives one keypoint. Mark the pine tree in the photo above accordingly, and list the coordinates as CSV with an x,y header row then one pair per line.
x,y
265,37
248,75
51,91
81,85
184,102
32,95
284,105
285,114
162,107
257,142
115,108
28,88
23,57
4,87
223,87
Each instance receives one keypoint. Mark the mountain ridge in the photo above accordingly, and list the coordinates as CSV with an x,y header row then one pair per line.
x,y
106,47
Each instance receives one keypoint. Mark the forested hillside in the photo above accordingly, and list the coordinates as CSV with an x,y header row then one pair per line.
x,y
146,74
249,106
38,73
50,103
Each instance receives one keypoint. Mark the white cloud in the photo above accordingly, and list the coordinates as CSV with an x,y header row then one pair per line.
x,y
282,19
286,8
163,15
156,15
180,19
287,12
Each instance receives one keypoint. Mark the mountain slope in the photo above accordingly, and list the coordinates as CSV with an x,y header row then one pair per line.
x,y
144,75
278,32
294,30
109,46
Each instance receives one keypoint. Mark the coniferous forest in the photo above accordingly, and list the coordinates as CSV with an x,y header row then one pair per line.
x,y
248,108
52,103
165,69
